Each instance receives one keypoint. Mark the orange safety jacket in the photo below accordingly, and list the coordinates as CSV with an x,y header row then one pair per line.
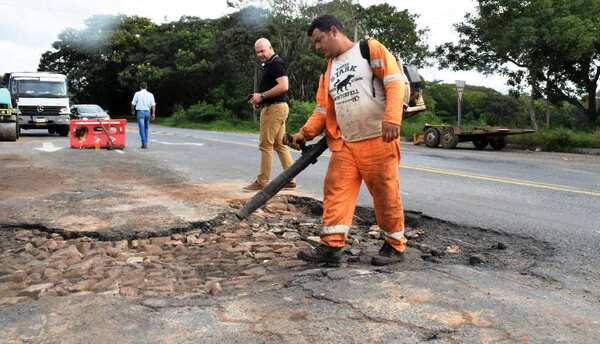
x,y
386,70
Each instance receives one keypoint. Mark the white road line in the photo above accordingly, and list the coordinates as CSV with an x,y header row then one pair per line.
x,y
49,147
119,151
179,143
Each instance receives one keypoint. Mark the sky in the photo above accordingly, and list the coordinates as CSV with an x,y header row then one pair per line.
x,y
36,24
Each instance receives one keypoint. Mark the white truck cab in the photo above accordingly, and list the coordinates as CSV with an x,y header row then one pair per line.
x,y
42,99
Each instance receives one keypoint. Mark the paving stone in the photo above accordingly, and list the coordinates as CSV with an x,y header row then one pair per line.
x,y
84,247
214,287
375,234
160,241
36,289
178,237
83,286
277,230
274,207
129,292
51,274
135,260
291,236
67,252
267,255
122,245
18,276
152,249
265,236
256,271
51,245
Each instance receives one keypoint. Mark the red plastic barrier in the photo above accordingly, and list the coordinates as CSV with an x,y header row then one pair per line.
x,y
91,133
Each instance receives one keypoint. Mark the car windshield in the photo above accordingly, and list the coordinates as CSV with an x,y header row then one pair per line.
x,y
42,89
85,109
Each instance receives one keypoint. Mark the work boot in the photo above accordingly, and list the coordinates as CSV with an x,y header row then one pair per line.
x,y
387,255
289,186
255,186
322,254
144,146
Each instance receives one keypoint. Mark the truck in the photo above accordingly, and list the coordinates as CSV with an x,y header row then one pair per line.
x,y
9,129
42,100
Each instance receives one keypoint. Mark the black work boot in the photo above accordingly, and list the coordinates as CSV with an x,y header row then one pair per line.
x,y
322,254
387,255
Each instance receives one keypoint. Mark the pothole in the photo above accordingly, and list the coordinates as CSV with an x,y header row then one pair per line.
x,y
224,255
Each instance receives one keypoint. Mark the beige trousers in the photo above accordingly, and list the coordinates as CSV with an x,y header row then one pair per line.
x,y
272,130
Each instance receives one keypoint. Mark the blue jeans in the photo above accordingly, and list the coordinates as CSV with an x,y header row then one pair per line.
x,y
143,119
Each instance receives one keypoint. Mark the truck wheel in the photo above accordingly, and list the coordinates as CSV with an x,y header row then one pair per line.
x,y
449,139
8,132
432,137
498,142
63,131
480,143
51,131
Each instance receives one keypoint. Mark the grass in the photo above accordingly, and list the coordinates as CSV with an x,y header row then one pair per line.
x,y
219,125
558,140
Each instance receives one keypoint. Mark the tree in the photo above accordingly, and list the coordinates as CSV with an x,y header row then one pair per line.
x,y
398,31
552,45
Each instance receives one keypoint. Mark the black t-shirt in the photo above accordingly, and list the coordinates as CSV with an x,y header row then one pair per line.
x,y
272,69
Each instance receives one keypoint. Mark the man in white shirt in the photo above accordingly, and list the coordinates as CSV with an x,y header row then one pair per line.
x,y
144,106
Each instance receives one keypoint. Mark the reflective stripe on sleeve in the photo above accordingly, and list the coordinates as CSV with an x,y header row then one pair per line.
x,y
396,235
320,110
337,229
394,77
376,63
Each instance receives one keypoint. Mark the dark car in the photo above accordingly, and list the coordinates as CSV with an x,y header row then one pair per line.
x,y
88,111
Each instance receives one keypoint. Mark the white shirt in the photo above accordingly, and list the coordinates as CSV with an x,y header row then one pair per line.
x,y
358,96
143,100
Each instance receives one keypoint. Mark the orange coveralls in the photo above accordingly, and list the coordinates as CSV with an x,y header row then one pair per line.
x,y
370,159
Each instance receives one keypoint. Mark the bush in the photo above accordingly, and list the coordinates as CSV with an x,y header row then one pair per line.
x,y
415,125
202,112
299,113
558,140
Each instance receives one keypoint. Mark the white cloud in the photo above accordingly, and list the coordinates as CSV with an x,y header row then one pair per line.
x,y
38,23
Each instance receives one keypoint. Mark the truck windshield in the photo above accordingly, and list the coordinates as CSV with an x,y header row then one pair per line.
x,y
41,89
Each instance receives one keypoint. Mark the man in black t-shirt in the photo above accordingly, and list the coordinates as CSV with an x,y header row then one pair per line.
x,y
272,96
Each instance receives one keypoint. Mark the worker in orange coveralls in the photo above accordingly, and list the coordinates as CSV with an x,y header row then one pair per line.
x,y
359,106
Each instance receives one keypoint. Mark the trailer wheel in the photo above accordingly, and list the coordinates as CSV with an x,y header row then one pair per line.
x,y
449,139
432,137
498,142
481,143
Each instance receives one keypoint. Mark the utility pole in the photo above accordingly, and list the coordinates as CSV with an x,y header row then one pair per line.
x,y
460,88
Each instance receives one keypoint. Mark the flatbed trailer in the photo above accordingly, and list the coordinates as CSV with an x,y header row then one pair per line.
x,y
450,136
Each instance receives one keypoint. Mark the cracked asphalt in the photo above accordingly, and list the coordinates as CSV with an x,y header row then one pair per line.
x,y
127,246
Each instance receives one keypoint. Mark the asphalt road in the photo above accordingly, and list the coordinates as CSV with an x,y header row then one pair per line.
x,y
550,196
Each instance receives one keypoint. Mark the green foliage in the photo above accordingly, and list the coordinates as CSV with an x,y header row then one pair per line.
x,y
554,43
398,31
202,112
299,112
211,60
415,125
558,140
481,106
